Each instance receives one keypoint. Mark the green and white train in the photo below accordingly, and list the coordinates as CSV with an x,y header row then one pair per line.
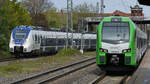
x,y
120,44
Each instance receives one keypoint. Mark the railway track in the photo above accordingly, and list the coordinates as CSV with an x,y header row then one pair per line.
x,y
103,78
56,73
7,59
98,79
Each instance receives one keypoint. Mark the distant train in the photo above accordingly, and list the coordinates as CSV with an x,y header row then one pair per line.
x,y
35,40
120,44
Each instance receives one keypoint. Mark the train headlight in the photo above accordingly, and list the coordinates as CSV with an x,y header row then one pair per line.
x,y
126,50
104,50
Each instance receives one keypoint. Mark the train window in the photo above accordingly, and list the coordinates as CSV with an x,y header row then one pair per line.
x,y
63,41
51,42
43,42
86,41
138,42
69,41
78,42
36,37
33,37
48,42
60,41
54,42
93,41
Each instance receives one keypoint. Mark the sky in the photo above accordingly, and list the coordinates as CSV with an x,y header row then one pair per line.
x,y
110,5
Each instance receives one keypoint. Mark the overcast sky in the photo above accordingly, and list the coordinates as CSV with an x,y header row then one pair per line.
x,y
111,5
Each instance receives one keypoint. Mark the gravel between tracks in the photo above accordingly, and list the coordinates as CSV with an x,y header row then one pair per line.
x,y
83,76
111,80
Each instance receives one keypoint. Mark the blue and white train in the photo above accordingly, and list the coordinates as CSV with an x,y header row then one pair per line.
x,y
35,40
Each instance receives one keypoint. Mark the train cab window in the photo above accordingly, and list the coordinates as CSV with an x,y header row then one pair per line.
x,y
20,34
115,32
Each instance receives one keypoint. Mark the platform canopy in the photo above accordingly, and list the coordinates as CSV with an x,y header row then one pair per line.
x,y
144,2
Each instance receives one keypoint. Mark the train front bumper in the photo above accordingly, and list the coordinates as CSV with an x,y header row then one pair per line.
x,y
122,59
18,49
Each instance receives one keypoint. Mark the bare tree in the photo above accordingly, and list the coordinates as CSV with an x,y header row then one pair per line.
x,y
82,8
37,6
92,8
85,8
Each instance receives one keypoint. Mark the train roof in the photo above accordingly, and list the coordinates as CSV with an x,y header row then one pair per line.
x,y
116,18
39,28
47,29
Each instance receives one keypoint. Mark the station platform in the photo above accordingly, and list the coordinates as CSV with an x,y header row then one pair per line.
x,y
142,74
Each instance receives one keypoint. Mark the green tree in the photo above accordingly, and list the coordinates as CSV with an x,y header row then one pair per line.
x,y
11,15
56,19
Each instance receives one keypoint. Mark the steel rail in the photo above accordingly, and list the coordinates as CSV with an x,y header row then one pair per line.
x,y
123,81
99,78
7,59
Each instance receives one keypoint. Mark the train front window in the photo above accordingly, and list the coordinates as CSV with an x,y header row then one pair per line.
x,y
20,34
115,32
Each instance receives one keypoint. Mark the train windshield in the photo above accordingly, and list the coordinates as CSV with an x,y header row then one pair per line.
x,y
20,34
115,32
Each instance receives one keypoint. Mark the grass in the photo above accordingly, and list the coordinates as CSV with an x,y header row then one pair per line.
x,y
32,66
92,53
10,68
67,52
4,55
